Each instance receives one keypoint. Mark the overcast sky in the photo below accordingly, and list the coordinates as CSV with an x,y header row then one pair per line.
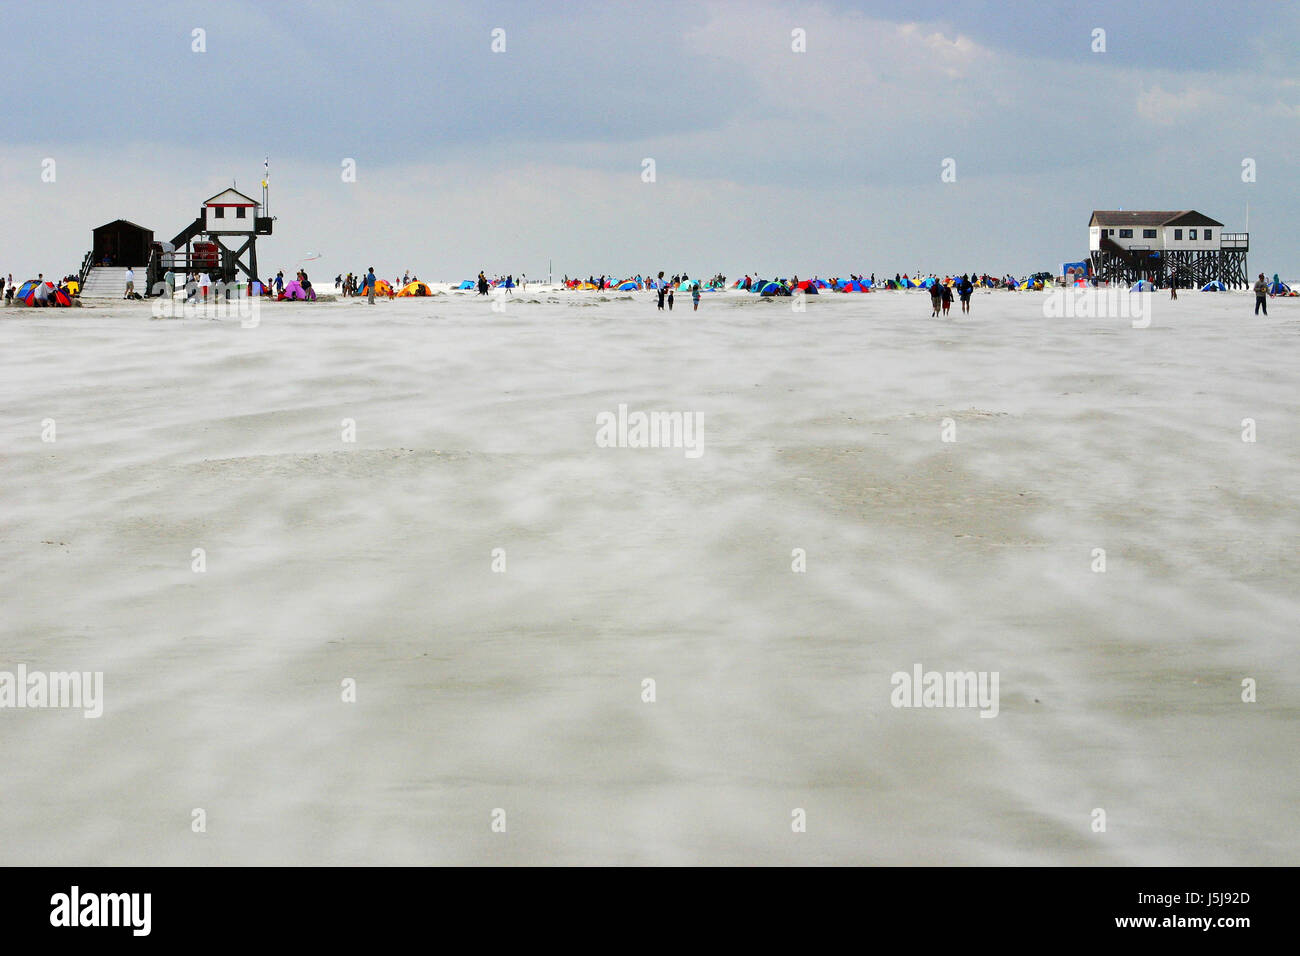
x,y
825,161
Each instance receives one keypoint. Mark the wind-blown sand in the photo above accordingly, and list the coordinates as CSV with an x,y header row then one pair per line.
x,y
522,690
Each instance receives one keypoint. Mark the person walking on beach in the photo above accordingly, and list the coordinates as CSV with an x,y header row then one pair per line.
x,y
964,289
1173,287
370,286
936,299
945,296
1261,294
130,282
662,286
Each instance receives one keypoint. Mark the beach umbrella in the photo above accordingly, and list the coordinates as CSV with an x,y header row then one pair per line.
x,y
414,289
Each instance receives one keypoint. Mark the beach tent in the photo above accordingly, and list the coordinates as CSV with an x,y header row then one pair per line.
x,y
293,290
927,283
629,286
1278,288
468,284
854,285
415,289
256,288
1215,286
1142,285
27,293
74,287
808,287
383,287
821,283
773,288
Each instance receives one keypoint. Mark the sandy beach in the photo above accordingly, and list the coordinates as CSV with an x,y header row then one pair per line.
x,y
521,688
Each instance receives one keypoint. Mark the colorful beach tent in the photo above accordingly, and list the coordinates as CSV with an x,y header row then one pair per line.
x,y
1215,286
293,290
773,288
1142,285
1279,288
28,293
629,286
414,289
855,285
383,287
468,284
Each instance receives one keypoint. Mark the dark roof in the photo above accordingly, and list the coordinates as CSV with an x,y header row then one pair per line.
x,y
1193,218
122,222
1150,217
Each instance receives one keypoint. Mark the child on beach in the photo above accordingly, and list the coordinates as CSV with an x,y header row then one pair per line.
x,y
670,298
945,293
695,295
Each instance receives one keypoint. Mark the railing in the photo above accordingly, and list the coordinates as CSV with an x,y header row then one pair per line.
x,y
1234,240
86,265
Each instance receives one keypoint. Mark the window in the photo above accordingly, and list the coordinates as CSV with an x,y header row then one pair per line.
x,y
220,212
1126,233
1148,233
241,212
1207,235
1191,234
1178,234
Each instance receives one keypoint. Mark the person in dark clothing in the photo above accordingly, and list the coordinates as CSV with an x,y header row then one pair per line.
x,y
945,296
964,289
1261,295
663,291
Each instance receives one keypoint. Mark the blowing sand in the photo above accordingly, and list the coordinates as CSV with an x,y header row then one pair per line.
x,y
522,690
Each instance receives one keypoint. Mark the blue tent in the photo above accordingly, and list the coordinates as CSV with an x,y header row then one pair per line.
x,y
628,286
773,288
1278,288
467,284
1215,286
1142,285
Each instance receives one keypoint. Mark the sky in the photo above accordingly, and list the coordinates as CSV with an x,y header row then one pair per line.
x,y
766,158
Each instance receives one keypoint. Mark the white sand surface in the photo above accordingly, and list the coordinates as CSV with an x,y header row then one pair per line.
x,y
475,430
